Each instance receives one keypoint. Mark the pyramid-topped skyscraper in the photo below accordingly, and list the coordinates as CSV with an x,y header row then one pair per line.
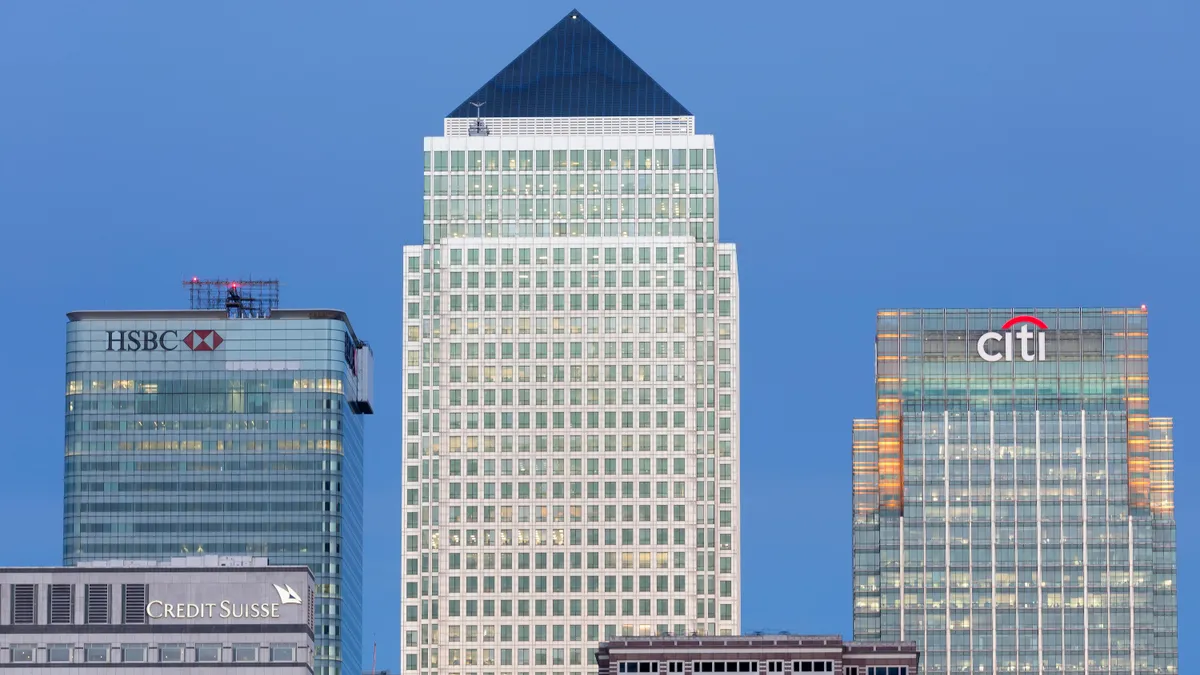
x,y
573,70
571,434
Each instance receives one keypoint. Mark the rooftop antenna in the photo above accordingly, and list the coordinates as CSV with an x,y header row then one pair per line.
x,y
478,128
238,298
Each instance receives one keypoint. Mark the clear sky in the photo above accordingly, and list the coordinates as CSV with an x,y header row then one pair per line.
x,y
870,155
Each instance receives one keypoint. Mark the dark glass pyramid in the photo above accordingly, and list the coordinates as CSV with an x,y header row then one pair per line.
x,y
572,71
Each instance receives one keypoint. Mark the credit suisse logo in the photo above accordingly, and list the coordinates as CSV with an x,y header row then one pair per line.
x,y
166,341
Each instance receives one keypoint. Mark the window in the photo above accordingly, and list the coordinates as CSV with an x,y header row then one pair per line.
x,y
133,603
170,653
637,667
21,654
133,653
60,653
62,603
208,653
24,605
95,603
813,667
95,653
283,652
245,653
725,667
887,670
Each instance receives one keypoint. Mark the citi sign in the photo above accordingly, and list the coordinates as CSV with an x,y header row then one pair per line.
x,y
167,340
1024,336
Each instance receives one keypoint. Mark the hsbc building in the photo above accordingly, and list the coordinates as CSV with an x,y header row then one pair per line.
x,y
1013,495
192,433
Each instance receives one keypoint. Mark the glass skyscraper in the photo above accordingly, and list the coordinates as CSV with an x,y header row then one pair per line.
x,y
1013,497
188,432
571,345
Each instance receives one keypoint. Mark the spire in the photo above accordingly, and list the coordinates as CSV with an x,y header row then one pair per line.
x,y
571,71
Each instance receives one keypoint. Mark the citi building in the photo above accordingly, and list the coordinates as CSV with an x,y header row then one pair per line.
x,y
571,351
193,433
1013,496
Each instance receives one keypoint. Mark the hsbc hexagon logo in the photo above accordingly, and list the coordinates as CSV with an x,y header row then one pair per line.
x,y
202,340
1024,336
166,340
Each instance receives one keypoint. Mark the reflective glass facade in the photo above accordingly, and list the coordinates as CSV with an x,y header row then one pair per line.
x,y
1013,498
192,433
573,70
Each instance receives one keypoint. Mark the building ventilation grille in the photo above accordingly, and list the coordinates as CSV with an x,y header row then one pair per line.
x,y
311,610
96,603
62,603
575,126
24,604
133,604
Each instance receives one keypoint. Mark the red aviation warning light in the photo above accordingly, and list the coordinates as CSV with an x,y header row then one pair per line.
x,y
240,298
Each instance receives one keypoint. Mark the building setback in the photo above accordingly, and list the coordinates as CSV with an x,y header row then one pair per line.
x,y
757,654
1013,497
571,345
227,615
190,432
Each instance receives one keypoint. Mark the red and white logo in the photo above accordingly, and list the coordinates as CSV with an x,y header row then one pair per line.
x,y
1024,336
202,340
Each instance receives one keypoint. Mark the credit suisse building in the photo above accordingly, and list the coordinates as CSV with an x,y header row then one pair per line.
x,y
190,432
1013,495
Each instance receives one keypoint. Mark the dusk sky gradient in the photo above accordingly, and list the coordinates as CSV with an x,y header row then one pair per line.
x,y
938,154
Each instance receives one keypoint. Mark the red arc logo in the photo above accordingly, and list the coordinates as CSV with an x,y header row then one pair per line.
x,y
203,340
1025,318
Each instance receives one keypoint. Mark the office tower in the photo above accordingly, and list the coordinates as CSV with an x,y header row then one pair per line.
x,y
1013,497
229,615
223,432
571,341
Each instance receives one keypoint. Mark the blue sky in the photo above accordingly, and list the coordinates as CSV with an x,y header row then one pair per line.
x,y
870,155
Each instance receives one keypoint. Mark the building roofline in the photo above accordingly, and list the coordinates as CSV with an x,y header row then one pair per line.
x,y
155,568
215,314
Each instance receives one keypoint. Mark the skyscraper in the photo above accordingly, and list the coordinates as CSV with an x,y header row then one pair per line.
x,y
191,432
571,339
1013,498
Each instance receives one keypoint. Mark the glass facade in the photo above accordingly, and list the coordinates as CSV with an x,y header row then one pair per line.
x,y
571,388
1013,499
572,71
188,433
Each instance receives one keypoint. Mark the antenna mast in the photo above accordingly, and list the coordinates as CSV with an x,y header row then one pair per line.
x,y
478,128
240,298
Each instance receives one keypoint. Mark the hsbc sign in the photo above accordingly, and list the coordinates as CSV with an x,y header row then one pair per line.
x,y
1003,348
166,341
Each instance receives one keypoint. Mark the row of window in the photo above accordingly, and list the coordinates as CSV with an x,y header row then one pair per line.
x,y
143,653
569,160
662,255
575,467
559,443
539,633
546,184
435,232
455,587
559,303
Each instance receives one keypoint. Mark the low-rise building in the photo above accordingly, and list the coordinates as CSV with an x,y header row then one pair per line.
x,y
756,654
233,614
